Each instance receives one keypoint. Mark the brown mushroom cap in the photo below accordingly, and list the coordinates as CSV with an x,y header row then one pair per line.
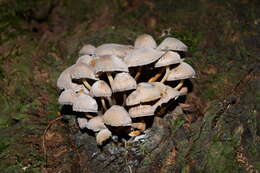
x,y
168,58
96,124
82,71
85,103
117,116
182,71
142,56
87,49
67,97
141,111
171,43
118,50
102,136
100,89
123,82
109,63
145,92
145,41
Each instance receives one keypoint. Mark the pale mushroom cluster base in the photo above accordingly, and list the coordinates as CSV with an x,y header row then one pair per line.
x,y
117,87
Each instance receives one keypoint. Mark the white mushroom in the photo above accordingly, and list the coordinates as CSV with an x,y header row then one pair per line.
x,y
87,49
102,136
117,116
96,124
118,50
171,43
67,97
101,89
181,72
83,72
85,103
145,41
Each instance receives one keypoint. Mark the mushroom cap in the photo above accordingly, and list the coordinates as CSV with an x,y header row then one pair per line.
x,y
87,49
145,92
123,82
67,97
118,50
142,56
168,58
96,124
64,81
109,63
145,41
82,71
182,71
170,93
82,122
102,136
85,103
100,89
117,116
141,111
171,43
161,86
85,59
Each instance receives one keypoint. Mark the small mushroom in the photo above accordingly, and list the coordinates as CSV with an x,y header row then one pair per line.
x,y
85,103
83,72
64,81
140,57
108,64
171,43
167,95
145,41
145,92
118,50
141,111
102,136
117,116
96,124
82,122
181,72
166,60
85,59
101,89
67,97
87,49
123,82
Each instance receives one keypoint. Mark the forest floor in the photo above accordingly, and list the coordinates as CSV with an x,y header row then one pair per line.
x,y
39,39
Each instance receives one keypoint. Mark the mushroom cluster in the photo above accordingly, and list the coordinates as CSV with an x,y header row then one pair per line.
x,y
117,87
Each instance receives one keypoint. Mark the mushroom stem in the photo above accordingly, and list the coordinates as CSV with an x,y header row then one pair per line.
x,y
124,99
110,78
111,102
179,85
86,84
167,70
154,78
103,103
137,75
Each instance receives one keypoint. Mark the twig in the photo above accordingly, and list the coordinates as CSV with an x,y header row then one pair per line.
x,y
44,134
